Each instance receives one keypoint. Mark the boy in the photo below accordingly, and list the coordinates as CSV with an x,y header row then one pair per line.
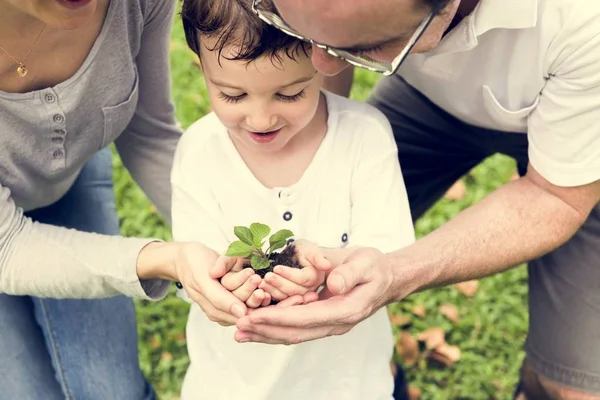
x,y
280,151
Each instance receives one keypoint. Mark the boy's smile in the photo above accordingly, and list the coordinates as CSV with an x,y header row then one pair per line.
x,y
264,137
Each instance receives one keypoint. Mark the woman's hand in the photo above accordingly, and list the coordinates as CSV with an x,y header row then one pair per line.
x,y
191,264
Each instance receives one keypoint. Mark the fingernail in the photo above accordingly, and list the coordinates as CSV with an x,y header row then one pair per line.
x,y
340,283
237,310
244,340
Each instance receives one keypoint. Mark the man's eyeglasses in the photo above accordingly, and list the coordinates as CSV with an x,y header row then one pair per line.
x,y
358,60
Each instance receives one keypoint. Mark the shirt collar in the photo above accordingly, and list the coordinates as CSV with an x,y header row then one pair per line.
x,y
504,14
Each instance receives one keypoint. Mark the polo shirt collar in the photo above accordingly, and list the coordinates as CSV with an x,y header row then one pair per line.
x,y
488,15
504,14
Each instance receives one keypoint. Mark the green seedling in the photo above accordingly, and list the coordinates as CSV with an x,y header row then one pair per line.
x,y
252,241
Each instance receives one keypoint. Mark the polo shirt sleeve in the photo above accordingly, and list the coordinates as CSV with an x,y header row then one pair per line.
x,y
564,129
380,212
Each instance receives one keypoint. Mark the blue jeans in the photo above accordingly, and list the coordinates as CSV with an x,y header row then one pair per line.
x,y
73,349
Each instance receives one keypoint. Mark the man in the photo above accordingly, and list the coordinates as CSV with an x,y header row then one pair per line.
x,y
519,77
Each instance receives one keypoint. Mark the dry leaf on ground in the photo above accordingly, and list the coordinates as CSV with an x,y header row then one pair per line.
x,y
419,311
468,288
446,354
414,393
456,191
407,348
400,319
433,337
450,311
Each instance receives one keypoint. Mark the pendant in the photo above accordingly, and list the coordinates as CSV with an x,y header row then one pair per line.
x,y
22,71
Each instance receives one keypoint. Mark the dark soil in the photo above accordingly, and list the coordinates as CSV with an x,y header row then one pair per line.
x,y
287,257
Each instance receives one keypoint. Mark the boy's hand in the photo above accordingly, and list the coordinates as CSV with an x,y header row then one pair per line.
x,y
286,281
244,285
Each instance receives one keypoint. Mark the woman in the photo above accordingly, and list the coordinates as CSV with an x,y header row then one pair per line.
x,y
76,75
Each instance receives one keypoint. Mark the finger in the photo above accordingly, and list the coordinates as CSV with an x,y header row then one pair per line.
x,y
310,297
306,276
283,285
285,335
309,254
243,337
324,294
291,301
245,291
348,275
266,300
273,291
221,298
334,311
224,265
233,280
212,313
256,298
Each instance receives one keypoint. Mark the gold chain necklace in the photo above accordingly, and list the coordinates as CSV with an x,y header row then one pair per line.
x,y
22,69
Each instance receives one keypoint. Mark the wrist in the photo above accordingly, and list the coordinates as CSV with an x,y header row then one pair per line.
x,y
408,276
156,260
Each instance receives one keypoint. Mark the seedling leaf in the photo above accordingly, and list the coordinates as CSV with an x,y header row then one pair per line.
x,y
259,232
277,246
238,249
280,236
259,262
244,234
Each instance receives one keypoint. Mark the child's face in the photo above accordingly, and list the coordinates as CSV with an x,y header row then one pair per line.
x,y
265,103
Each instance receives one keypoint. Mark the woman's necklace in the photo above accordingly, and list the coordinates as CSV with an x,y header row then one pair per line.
x,y
22,69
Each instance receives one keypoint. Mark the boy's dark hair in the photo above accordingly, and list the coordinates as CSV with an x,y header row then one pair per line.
x,y
233,22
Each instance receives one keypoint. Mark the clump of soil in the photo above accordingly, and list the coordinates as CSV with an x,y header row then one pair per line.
x,y
287,257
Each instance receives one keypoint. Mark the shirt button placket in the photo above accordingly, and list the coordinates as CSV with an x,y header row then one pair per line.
x,y
285,200
58,131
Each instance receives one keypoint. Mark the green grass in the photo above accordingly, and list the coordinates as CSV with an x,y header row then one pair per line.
x,y
492,324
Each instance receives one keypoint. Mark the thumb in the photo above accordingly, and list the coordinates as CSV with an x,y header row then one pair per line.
x,y
222,266
347,276
311,255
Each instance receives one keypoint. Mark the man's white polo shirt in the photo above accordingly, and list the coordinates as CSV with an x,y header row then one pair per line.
x,y
528,66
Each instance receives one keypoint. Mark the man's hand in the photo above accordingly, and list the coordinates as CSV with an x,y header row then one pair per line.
x,y
355,290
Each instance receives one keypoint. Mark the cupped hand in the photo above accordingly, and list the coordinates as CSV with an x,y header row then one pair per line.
x,y
198,269
244,285
356,289
287,281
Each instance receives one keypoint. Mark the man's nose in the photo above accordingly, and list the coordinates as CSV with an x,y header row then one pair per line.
x,y
327,64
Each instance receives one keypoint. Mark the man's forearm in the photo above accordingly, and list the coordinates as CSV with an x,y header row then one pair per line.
x,y
518,222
